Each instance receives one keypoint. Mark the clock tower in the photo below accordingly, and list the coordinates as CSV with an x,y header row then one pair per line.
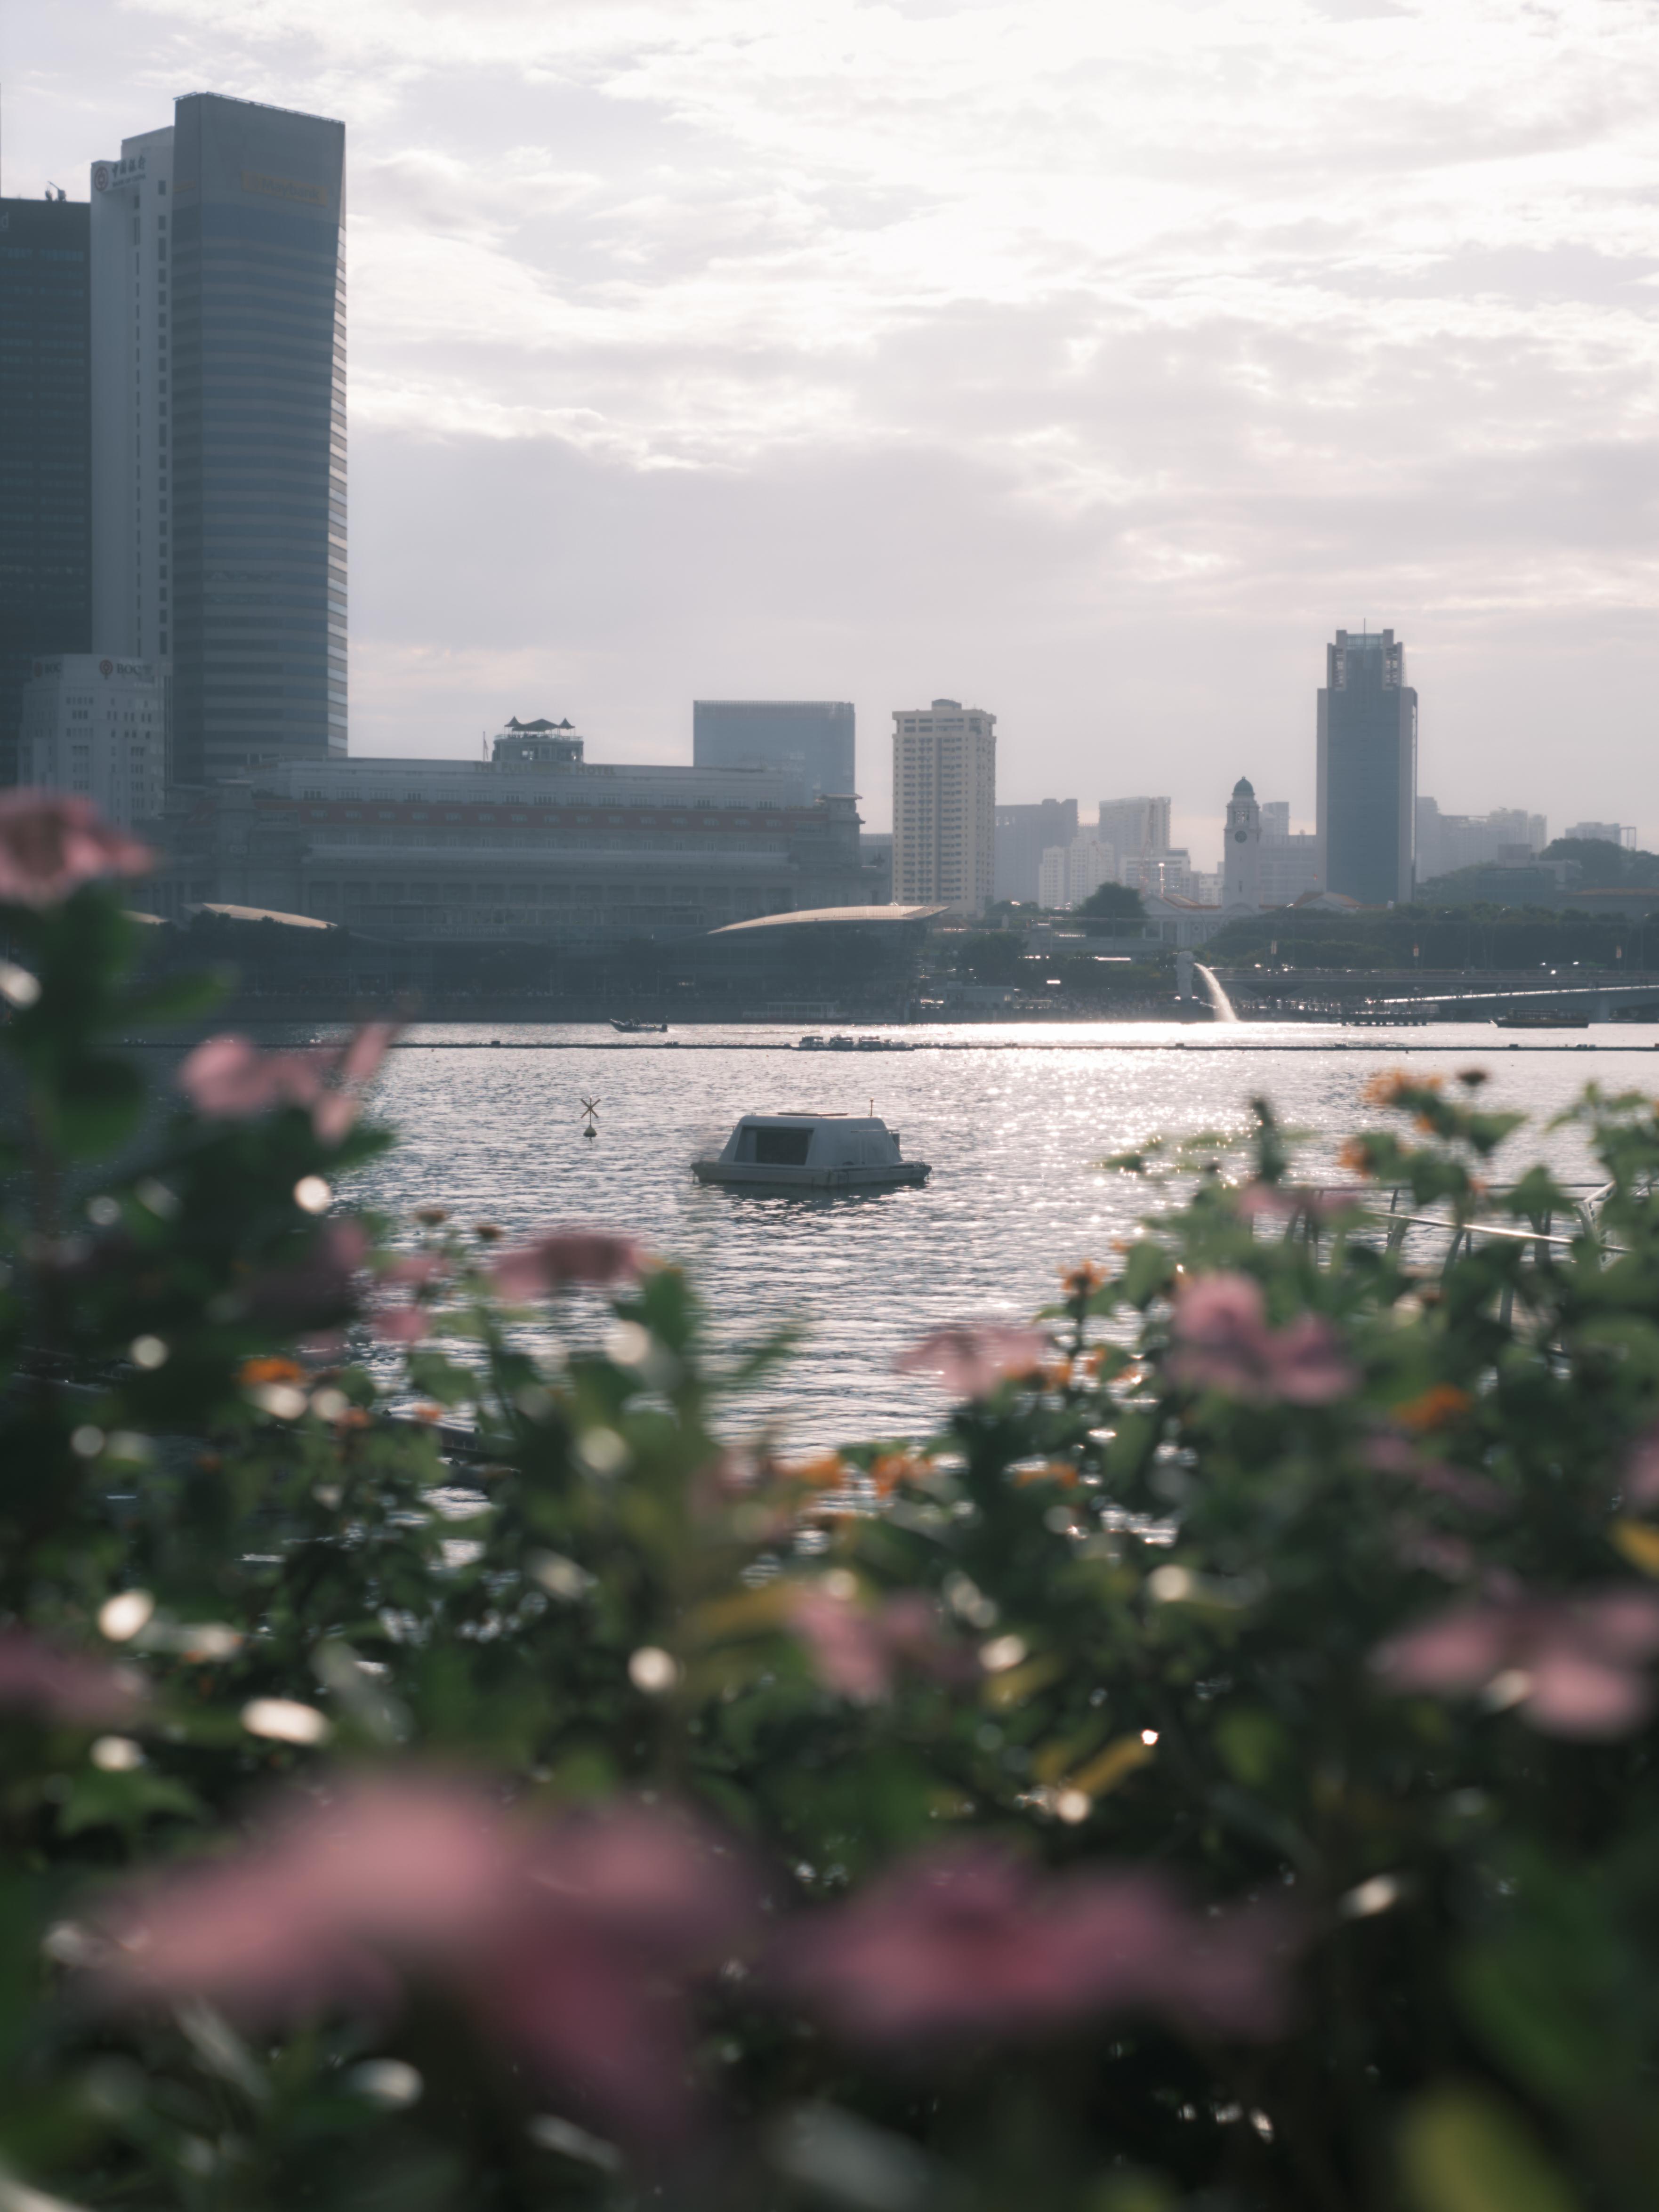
x,y
1241,866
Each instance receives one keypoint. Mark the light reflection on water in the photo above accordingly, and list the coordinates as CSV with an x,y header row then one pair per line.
x,y
1013,1136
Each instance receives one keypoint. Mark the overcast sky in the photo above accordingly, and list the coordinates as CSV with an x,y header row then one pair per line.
x,y
1091,363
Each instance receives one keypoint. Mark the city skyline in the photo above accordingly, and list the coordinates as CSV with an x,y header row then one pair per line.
x,y
725,388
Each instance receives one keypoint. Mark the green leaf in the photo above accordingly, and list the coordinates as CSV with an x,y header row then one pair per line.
x,y
182,998
98,1105
1461,2151
98,1800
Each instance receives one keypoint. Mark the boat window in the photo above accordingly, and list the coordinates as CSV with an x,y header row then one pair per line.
x,y
782,1148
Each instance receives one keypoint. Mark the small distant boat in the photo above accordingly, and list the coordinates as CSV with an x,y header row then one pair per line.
x,y
1531,1021
812,1152
640,1029
853,1044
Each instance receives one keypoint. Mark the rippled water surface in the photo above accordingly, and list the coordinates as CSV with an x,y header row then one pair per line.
x,y
1014,1122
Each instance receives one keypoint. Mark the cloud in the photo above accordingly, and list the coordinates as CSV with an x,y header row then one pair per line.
x,y
1105,360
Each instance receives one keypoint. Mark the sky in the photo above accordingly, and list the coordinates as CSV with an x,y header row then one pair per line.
x,y
1089,363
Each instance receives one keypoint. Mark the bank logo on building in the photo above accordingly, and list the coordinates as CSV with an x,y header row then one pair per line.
x,y
101,176
107,668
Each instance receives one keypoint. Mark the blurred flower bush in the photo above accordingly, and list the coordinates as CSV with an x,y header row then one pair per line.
x,y
441,1773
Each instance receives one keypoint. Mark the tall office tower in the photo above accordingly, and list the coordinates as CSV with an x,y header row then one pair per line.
x,y
1020,838
219,505
1368,770
945,798
1241,851
809,738
45,476
1134,825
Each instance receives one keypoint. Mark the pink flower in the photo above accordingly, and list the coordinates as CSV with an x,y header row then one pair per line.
x,y
1392,1455
1641,1481
856,1650
1288,1201
970,1359
564,1256
50,1685
628,1907
230,1079
964,1944
1222,1342
51,845
570,1941
1574,1664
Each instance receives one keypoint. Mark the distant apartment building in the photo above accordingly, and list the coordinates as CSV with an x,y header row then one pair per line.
x,y
46,484
218,428
812,739
558,850
95,727
1507,837
1020,838
1168,873
1604,833
944,792
1291,863
1134,825
1367,769
1068,874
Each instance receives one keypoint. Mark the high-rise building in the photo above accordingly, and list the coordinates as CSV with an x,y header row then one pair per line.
x,y
1134,825
1291,863
1020,838
1068,874
94,726
812,739
45,474
218,335
1508,836
1367,769
945,798
1603,833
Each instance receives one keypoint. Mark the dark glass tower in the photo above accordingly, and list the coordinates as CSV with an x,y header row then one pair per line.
x,y
811,738
45,448
1368,770
258,482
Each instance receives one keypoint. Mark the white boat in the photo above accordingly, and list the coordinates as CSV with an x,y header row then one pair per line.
x,y
812,1152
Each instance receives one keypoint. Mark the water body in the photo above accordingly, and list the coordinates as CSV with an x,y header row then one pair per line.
x,y
1014,1122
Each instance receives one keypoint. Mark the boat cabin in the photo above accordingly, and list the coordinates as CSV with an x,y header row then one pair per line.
x,y
815,1151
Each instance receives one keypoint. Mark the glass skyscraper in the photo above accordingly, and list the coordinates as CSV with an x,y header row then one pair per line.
x,y
45,460
1368,770
219,427
811,738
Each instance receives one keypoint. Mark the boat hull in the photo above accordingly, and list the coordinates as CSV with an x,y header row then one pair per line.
x,y
745,1174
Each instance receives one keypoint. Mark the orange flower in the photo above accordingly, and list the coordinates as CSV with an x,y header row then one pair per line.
x,y
1440,1405
890,1470
1356,1156
254,1371
1083,1280
823,1471
1053,1470
1396,1088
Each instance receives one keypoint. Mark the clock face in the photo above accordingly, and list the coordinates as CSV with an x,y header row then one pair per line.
x,y
1238,837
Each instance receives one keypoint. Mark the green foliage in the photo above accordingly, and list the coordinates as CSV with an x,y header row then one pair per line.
x,y
1133,1606
1114,902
